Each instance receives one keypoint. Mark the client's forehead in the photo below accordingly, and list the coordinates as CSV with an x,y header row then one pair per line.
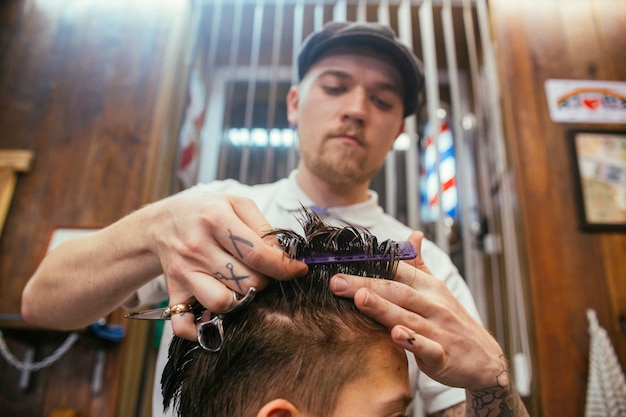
x,y
382,390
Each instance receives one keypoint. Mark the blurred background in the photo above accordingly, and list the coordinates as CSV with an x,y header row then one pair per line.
x,y
106,106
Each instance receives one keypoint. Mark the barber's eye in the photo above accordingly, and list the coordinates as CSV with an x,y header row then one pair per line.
x,y
333,90
381,103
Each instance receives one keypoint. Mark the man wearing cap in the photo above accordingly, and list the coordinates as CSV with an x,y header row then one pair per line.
x,y
357,84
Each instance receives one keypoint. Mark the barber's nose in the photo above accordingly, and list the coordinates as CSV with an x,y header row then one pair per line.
x,y
355,107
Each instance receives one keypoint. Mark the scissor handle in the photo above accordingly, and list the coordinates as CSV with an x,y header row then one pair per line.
x,y
207,329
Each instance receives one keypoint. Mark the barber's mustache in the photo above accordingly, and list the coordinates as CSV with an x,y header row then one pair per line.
x,y
350,131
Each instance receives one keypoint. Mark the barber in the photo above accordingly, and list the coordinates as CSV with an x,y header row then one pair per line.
x,y
357,84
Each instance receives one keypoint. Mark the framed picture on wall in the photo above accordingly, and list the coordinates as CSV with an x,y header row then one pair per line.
x,y
599,160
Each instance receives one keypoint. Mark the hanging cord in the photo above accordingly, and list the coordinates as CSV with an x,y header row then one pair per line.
x,y
35,366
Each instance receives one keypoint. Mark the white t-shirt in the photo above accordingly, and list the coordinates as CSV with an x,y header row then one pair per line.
x,y
280,203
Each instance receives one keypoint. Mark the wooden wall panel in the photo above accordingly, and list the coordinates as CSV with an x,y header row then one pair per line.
x,y
96,90
568,270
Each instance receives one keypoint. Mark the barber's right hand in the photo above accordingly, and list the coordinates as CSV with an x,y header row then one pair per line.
x,y
211,248
425,318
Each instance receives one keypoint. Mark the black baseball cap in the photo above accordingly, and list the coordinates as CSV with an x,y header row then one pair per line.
x,y
379,37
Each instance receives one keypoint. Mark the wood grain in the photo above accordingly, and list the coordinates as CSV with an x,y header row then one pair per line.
x,y
95,90
568,271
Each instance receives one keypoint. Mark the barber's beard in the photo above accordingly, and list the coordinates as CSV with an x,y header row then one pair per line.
x,y
343,168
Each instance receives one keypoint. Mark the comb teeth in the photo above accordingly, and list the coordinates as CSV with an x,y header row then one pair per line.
x,y
406,250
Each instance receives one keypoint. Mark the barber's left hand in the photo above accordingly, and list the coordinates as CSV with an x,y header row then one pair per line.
x,y
425,318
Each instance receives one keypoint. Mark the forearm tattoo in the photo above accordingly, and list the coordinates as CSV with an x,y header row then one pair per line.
x,y
501,400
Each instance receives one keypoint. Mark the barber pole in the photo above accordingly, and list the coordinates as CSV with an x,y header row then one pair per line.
x,y
447,174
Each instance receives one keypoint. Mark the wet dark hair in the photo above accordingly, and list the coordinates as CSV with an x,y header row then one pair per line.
x,y
295,340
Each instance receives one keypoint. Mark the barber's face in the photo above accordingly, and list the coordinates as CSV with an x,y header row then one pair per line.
x,y
383,391
349,111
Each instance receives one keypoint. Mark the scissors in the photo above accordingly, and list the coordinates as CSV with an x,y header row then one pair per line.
x,y
210,332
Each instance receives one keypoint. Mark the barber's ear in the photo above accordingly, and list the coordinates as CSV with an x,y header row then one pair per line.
x,y
279,408
401,128
400,131
293,100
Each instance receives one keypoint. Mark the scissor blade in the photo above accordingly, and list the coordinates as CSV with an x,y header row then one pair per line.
x,y
153,314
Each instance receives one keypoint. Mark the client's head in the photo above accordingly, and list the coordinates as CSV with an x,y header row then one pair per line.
x,y
296,349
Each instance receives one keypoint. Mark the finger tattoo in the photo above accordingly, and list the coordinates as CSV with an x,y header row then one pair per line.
x,y
236,239
235,278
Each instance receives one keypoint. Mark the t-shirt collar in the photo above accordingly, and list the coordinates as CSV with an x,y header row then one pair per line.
x,y
364,214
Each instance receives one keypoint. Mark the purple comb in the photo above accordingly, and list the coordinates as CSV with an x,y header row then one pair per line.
x,y
406,250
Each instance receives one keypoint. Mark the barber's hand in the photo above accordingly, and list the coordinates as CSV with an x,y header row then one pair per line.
x,y
210,247
426,319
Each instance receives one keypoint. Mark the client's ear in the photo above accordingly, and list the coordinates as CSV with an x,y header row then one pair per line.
x,y
279,408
